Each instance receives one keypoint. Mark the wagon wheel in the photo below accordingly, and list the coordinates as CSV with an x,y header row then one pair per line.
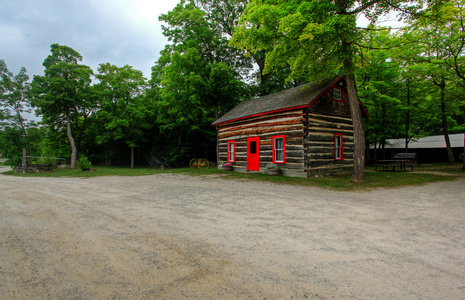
x,y
164,163
194,163
203,163
461,155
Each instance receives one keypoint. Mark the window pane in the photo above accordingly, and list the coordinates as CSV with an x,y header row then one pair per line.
x,y
231,152
338,146
279,155
279,149
337,94
253,147
278,144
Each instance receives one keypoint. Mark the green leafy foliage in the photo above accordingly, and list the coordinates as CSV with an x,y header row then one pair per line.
x,y
315,38
84,164
197,77
125,112
16,132
222,52
63,95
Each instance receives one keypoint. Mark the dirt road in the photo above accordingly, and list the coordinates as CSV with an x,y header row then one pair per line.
x,y
173,237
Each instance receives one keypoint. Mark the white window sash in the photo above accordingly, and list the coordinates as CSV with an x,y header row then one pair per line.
x,y
337,94
231,152
338,147
279,149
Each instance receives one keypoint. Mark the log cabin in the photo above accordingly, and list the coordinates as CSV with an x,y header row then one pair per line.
x,y
306,130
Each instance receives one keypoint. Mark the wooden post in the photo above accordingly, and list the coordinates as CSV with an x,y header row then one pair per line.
x,y
24,160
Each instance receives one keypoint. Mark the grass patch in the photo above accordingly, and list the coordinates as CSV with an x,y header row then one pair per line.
x,y
373,180
98,171
455,169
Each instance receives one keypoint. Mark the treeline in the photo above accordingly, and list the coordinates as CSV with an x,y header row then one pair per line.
x,y
411,80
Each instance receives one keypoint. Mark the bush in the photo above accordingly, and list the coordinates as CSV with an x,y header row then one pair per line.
x,y
84,163
14,161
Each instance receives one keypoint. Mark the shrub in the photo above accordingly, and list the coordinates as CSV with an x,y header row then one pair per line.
x,y
84,163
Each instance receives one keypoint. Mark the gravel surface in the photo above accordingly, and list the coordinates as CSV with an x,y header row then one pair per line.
x,y
173,236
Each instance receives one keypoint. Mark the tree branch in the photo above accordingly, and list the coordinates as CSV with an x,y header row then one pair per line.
x,y
361,8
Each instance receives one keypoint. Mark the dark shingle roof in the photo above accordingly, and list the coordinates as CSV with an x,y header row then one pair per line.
x,y
295,97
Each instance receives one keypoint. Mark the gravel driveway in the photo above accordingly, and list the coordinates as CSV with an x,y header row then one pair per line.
x,y
173,236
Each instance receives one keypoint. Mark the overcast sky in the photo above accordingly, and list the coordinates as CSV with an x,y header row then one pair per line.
x,y
120,32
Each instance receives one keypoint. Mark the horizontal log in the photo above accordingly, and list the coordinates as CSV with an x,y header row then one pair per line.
x,y
287,148
319,149
288,134
325,143
328,129
326,156
266,147
292,113
320,118
295,140
262,166
277,130
278,122
269,152
319,164
328,137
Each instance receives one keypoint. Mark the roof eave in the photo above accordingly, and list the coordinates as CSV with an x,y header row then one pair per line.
x,y
261,114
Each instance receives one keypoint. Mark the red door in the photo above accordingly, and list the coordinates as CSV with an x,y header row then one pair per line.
x,y
253,155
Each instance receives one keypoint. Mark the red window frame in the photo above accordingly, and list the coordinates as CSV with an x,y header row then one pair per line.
x,y
338,149
284,149
342,94
234,151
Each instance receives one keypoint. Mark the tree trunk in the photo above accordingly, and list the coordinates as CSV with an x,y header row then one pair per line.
x,y
132,157
359,135
24,163
71,141
407,116
260,60
450,154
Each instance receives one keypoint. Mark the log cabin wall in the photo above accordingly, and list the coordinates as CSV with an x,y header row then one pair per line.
x,y
288,123
325,119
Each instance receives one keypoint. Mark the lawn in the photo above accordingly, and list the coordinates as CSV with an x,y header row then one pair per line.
x,y
425,173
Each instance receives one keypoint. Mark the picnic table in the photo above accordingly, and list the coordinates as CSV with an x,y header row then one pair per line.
x,y
392,164
399,160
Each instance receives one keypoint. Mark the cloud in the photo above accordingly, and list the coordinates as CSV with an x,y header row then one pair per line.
x,y
118,31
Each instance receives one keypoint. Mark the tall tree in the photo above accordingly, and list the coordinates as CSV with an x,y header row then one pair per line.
x,y
440,32
14,100
14,97
396,97
62,96
317,39
197,77
124,110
